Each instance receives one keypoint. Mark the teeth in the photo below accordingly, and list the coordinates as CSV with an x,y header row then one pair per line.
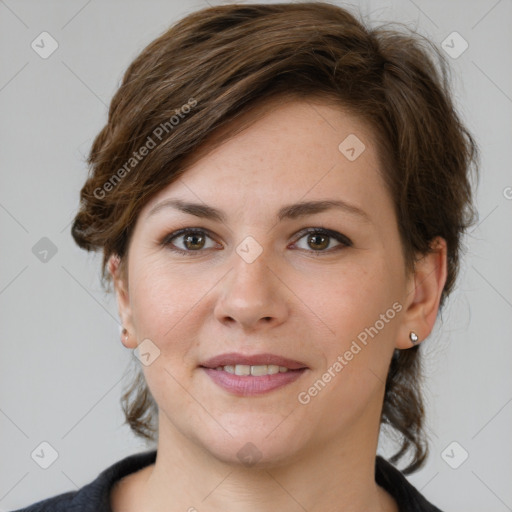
x,y
242,369
259,370
256,370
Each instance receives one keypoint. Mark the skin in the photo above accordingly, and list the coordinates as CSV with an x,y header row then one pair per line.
x,y
291,301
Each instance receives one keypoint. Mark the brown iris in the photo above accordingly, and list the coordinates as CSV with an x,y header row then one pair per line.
x,y
319,245
191,241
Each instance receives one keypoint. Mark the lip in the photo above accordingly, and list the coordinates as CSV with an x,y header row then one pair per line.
x,y
234,358
246,385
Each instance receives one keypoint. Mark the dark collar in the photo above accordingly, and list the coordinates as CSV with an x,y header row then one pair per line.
x,y
95,496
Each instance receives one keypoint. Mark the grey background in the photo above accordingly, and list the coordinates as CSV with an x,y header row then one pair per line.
x,y
61,360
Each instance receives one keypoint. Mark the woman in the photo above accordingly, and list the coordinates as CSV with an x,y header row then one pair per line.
x,y
279,194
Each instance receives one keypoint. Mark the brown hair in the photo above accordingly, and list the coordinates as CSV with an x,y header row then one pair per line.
x,y
218,63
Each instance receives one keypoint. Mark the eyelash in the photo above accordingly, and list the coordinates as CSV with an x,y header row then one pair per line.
x,y
342,239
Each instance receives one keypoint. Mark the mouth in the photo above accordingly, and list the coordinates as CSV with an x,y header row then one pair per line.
x,y
255,370
245,375
255,364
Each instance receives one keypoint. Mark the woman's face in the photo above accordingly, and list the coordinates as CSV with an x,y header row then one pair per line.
x,y
254,262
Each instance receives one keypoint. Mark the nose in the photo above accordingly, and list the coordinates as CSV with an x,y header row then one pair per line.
x,y
252,296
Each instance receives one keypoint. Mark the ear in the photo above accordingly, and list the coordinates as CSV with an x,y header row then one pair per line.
x,y
120,280
426,285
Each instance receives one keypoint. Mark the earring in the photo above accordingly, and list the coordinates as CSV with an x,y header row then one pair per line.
x,y
124,339
413,337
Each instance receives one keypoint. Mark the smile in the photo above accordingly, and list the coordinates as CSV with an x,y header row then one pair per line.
x,y
257,370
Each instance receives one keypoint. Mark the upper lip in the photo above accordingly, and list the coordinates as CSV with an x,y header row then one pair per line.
x,y
234,358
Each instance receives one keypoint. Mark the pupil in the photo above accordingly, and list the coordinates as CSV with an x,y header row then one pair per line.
x,y
190,239
314,237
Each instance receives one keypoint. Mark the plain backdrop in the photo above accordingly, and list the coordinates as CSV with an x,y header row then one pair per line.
x,y
61,359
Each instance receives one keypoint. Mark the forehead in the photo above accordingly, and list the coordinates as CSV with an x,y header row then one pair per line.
x,y
302,146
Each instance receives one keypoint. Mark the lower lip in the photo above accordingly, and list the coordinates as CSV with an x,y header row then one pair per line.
x,y
246,385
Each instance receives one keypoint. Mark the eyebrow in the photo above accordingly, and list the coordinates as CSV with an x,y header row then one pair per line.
x,y
291,211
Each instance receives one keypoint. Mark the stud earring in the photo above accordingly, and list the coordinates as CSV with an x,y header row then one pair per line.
x,y
124,339
413,337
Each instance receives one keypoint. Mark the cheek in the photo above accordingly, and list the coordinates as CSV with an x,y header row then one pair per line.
x,y
364,317
164,306
351,298
163,311
163,296
362,314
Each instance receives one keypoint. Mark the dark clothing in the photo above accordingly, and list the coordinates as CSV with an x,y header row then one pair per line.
x,y
95,496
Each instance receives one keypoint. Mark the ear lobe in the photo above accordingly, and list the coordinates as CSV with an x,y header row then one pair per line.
x,y
427,283
120,280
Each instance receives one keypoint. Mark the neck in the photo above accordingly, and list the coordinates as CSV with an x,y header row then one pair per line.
x,y
324,477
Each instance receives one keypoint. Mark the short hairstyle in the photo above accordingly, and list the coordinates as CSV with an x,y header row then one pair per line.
x,y
220,62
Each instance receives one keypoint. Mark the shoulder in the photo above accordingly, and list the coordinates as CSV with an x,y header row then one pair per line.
x,y
95,496
407,497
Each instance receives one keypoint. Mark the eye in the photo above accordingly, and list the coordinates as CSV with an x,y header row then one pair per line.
x,y
320,239
194,240
191,240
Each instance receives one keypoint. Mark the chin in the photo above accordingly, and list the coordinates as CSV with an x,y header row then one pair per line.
x,y
256,449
